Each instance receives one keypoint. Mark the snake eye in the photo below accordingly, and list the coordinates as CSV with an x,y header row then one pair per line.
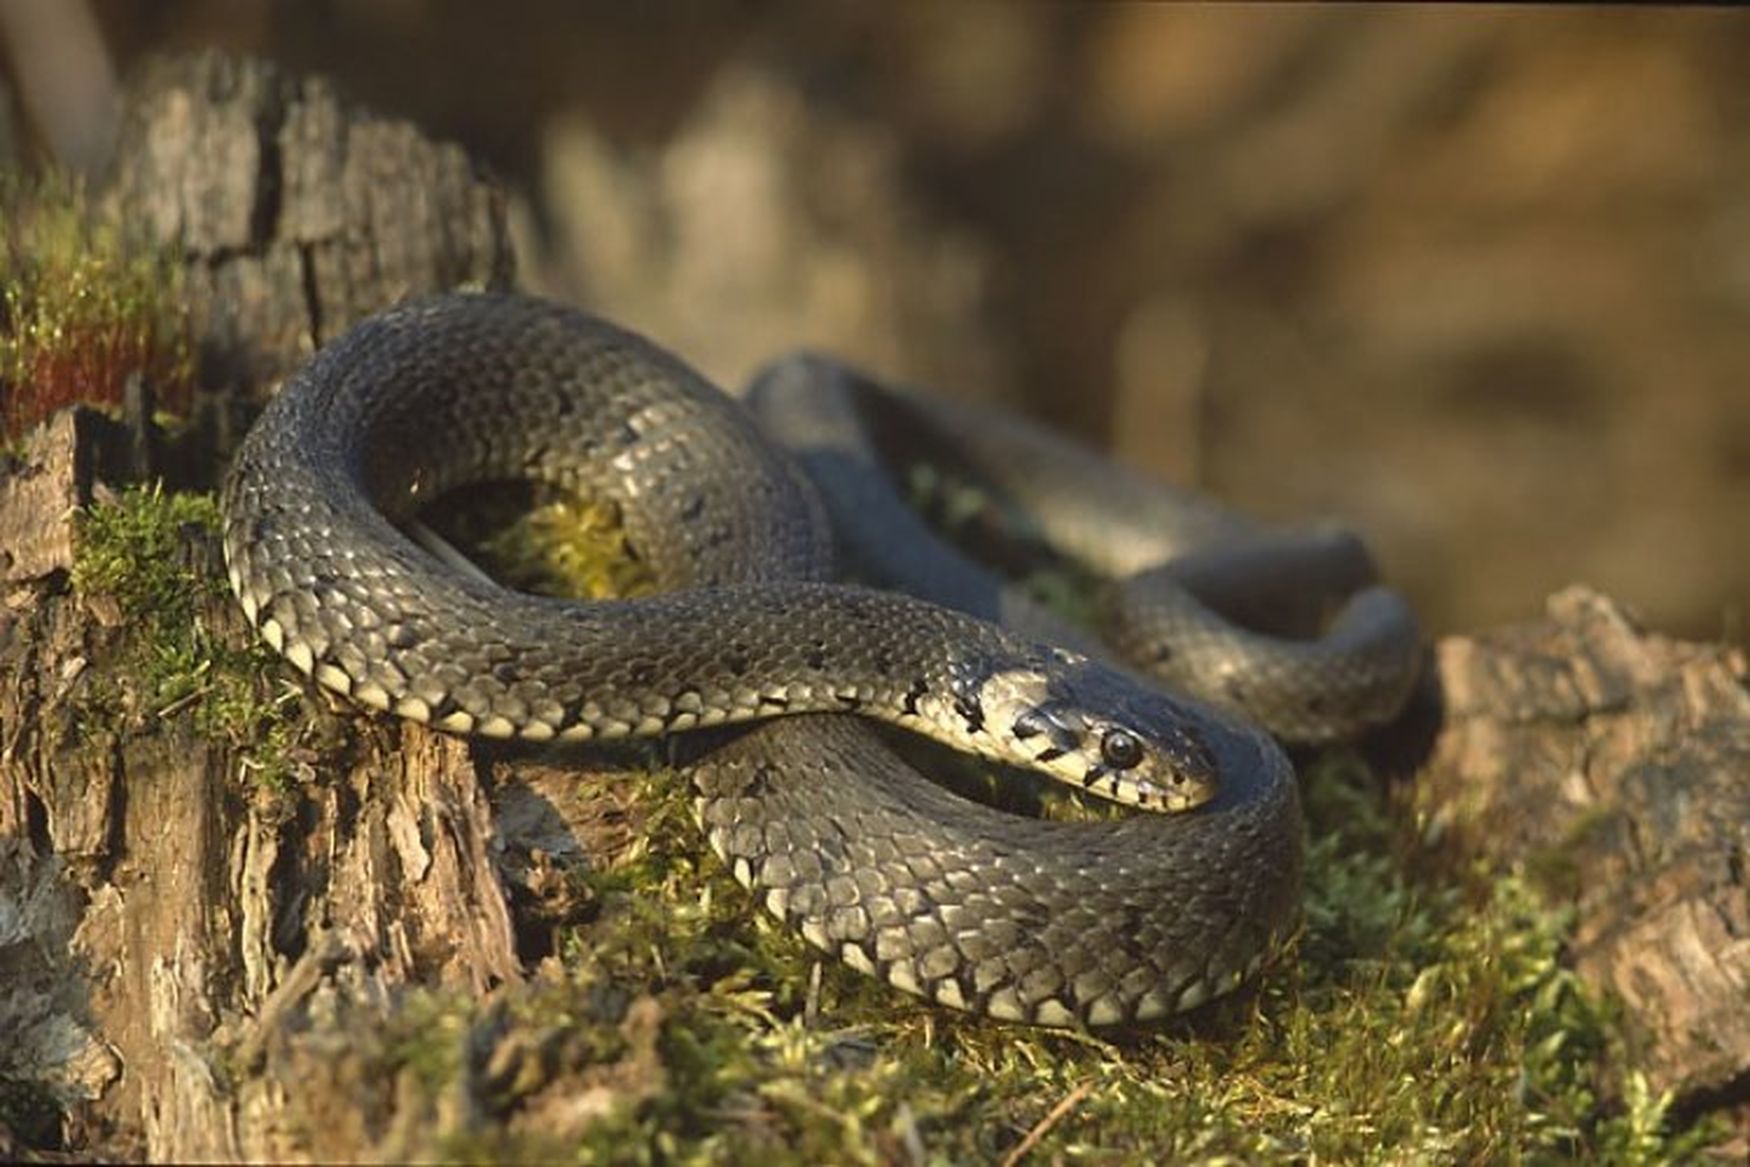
x,y
1120,749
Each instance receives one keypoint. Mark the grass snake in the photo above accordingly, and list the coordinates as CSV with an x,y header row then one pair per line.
x,y
1078,923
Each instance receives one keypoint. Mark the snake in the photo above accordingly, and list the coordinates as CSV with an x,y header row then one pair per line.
x,y
795,681
1288,629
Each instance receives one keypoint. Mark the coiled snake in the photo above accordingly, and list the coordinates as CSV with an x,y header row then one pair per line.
x,y
1055,923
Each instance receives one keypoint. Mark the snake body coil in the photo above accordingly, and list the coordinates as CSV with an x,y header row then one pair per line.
x,y
1087,923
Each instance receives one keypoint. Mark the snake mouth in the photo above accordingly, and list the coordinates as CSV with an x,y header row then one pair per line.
x,y
1159,785
1187,793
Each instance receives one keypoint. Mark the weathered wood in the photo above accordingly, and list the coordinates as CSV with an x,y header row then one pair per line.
x,y
1615,764
298,213
45,480
53,473
162,909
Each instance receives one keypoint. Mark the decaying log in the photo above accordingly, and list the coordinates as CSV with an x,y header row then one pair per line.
x,y
203,962
1614,763
161,909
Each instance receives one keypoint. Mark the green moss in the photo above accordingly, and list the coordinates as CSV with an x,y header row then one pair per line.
x,y
426,1036
84,306
137,551
1416,1021
555,545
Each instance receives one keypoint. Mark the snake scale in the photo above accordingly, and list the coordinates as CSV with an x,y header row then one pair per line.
x,y
1086,923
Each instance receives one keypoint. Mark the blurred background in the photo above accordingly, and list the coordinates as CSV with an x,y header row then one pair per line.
x,y
1476,280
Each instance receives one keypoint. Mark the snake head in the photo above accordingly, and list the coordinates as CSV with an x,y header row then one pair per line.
x,y
1097,730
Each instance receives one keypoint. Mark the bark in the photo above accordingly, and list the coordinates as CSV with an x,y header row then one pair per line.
x,y
168,921
209,965
1614,763
298,214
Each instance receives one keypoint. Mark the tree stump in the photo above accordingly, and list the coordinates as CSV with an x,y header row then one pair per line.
x,y
167,898
160,911
298,213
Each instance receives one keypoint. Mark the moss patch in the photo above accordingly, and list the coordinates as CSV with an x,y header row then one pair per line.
x,y
1419,1020
137,552
84,306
